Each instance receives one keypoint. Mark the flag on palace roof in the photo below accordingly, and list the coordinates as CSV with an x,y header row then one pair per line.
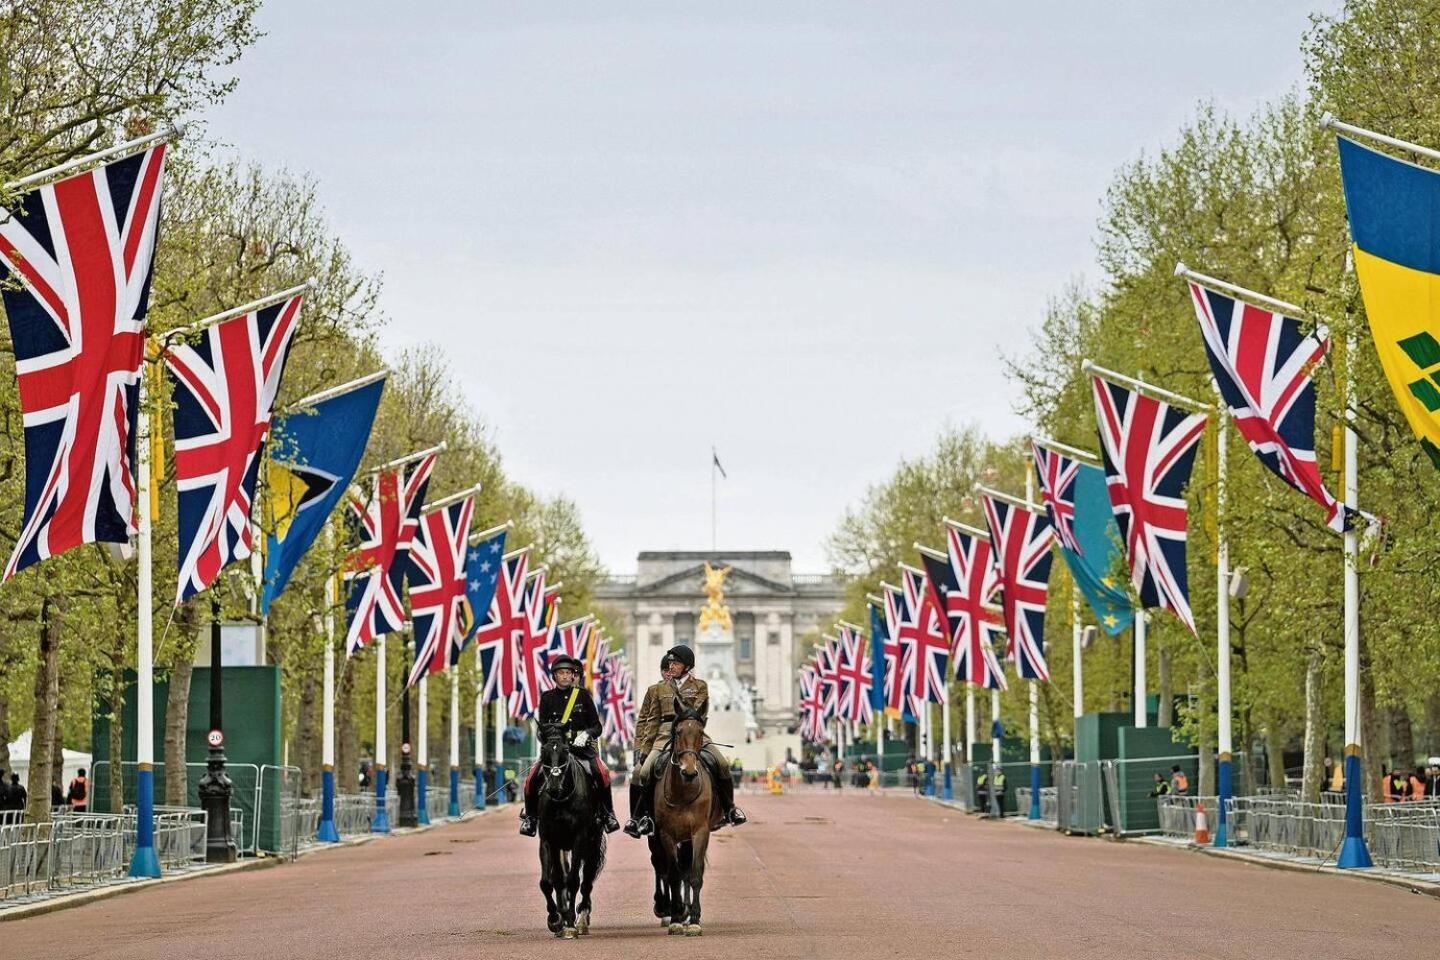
x,y
312,462
1148,448
374,572
975,622
437,586
1020,540
82,249
224,396
1394,210
1262,362
1086,504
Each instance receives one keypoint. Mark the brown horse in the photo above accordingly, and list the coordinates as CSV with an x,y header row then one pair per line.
x,y
683,810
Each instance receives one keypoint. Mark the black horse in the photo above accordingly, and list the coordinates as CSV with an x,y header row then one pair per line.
x,y
572,841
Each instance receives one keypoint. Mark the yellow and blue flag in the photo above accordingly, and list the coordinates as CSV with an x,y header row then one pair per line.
x,y
1394,209
314,459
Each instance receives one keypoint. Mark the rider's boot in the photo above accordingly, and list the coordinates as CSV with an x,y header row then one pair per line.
x,y
607,806
527,815
725,787
632,826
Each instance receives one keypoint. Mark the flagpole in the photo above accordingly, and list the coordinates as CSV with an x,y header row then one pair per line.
x,y
947,786
1139,667
422,782
1145,389
714,459
997,805
1328,121
970,736
1222,625
328,832
1077,672
480,787
454,809
331,392
180,333
144,862
1353,852
1034,692
1244,293
123,149
381,822
499,748
408,458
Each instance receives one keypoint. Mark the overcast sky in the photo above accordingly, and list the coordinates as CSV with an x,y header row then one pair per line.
x,y
802,232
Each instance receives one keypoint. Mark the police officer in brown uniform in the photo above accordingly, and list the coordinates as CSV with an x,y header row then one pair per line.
x,y
652,735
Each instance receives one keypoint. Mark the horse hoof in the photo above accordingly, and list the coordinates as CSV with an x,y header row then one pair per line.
x,y
676,929
664,922
554,926
692,930
568,934
583,926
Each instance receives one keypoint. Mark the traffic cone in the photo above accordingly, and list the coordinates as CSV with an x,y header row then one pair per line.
x,y
1202,824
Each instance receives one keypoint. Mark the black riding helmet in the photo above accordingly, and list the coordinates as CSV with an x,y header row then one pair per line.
x,y
565,660
682,653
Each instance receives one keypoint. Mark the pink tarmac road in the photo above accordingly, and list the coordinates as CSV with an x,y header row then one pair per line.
x,y
813,875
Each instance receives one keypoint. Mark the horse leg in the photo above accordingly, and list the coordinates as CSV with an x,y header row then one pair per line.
x,y
587,884
549,870
657,864
571,881
696,879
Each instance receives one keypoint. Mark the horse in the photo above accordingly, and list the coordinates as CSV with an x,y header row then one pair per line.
x,y
572,842
683,805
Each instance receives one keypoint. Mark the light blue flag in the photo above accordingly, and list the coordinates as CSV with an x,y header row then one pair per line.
x,y
1100,577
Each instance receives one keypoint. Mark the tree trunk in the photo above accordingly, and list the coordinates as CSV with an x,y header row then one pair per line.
x,y
1402,738
1371,748
1165,715
117,729
4,733
1249,772
1432,724
57,749
177,716
1275,755
42,727
1310,785
347,742
440,759
305,736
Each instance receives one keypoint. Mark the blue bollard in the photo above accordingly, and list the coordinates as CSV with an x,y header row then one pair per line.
x,y
422,798
479,789
145,863
381,822
1034,791
1353,852
454,809
327,832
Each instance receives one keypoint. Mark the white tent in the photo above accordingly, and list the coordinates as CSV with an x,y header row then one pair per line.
x,y
20,761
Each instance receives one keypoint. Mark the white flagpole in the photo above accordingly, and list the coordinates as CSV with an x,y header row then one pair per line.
x,y
454,807
481,788
145,862
422,782
997,804
1077,671
500,750
328,832
1034,688
381,822
969,737
1139,682
1222,628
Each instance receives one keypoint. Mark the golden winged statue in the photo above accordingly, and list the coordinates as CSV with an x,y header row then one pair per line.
x,y
715,610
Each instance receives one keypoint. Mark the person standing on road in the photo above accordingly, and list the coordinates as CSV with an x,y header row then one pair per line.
x,y
18,794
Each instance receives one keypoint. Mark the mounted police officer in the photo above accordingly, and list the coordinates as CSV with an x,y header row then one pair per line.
x,y
652,736
569,705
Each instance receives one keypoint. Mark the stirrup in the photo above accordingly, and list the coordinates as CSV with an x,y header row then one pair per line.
x,y
736,817
609,822
632,828
527,826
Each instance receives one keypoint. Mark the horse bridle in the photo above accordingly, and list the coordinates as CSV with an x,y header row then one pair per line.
x,y
557,772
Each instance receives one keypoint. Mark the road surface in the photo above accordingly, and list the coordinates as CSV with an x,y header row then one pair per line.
x,y
813,875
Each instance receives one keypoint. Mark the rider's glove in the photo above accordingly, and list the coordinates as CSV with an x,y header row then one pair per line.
x,y
582,738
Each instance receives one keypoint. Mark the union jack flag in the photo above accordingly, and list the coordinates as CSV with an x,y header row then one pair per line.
x,y
812,706
1057,474
1149,449
83,248
827,671
437,587
1262,362
1021,541
855,676
224,398
533,678
969,594
375,571
900,697
497,640
616,699
923,629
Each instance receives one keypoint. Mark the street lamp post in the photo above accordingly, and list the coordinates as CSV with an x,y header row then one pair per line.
x,y
214,787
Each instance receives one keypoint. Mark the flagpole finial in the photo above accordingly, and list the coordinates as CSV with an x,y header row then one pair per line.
x,y
1180,268
1327,120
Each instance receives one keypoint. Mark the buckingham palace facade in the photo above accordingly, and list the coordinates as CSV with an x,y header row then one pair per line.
x,y
773,610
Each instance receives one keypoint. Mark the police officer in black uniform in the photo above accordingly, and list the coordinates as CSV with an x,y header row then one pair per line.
x,y
582,728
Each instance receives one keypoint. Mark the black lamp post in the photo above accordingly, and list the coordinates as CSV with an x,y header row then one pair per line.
x,y
405,783
214,787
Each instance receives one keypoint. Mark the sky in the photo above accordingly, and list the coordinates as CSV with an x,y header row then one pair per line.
x,y
803,233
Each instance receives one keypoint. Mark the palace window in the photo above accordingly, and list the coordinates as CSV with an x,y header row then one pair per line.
x,y
684,629
745,636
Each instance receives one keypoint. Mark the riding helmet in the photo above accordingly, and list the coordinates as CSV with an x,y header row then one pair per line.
x,y
565,660
682,653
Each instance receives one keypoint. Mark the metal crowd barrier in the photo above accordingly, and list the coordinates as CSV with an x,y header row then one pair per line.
x,y
437,802
245,783
1403,836
1177,814
1049,804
